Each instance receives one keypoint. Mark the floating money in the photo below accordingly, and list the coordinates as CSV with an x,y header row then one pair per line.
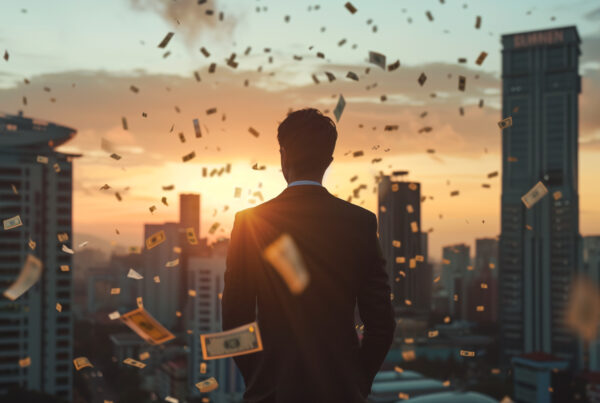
x,y
58,307
466,353
377,59
42,159
29,275
207,385
339,108
124,123
31,244
352,76
253,132
462,81
172,263
114,315
62,237
454,193
13,222
148,328
163,44
155,239
134,275
409,355
115,291
171,399
68,250
56,167
139,302
433,333
350,7
133,363
156,279
25,362
191,236
283,254
330,76
492,174
534,195
583,309
14,189
82,362
144,356
422,79
429,15
197,128
203,368
189,156
213,228
504,123
481,58
478,22
237,193
394,65
414,227
205,52
239,341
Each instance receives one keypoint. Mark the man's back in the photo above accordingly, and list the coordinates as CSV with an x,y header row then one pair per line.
x,y
311,350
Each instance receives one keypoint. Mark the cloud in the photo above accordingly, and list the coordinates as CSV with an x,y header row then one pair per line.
x,y
190,18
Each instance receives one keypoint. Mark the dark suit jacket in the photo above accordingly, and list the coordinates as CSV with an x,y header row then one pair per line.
x,y
311,352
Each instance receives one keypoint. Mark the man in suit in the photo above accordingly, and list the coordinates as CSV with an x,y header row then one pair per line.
x,y
311,351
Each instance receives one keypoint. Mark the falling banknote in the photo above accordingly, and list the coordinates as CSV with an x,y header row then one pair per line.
x,y
207,385
337,112
30,274
155,239
146,326
82,362
191,236
377,58
283,254
504,123
239,341
534,195
13,222
133,363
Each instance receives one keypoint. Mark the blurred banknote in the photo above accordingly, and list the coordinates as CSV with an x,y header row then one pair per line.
x,y
155,239
13,222
377,58
339,108
504,123
283,254
583,309
133,363
172,263
30,274
68,250
82,362
191,236
534,195
146,326
208,385
239,341
134,275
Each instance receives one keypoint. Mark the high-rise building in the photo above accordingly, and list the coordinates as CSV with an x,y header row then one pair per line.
x,y
591,269
539,246
206,277
455,277
482,288
486,255
189,211
401,240
36,184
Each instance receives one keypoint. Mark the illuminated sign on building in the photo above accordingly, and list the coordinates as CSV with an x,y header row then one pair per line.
x,y
538,38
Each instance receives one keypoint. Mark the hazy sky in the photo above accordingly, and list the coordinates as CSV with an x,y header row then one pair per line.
x,y
88,53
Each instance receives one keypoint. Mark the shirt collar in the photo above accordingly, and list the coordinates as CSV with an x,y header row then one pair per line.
x,y
304,182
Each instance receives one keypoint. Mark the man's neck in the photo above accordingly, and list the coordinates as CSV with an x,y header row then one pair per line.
x,y
305,178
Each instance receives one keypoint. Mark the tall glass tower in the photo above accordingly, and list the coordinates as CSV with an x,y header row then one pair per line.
x,y
40,193
539,246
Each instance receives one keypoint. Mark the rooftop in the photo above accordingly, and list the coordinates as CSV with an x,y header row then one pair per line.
x,y
19,131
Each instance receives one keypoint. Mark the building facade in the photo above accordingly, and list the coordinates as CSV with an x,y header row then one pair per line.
x,y
591,269
455,277
41,194
539,246
399,206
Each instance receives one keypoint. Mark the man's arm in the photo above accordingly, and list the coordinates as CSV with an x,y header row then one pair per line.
x,y
375,308
239,294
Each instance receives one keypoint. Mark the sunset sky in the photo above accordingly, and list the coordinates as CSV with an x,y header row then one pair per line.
x,y
89,53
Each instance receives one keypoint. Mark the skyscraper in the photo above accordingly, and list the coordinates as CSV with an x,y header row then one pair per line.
x,y
539,246
591,269
456,262
189,211
401,241
36,184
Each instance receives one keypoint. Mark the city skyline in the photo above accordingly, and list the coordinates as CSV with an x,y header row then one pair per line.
x,y
152,155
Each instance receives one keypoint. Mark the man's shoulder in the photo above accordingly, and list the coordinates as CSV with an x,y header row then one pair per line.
x,y
353,209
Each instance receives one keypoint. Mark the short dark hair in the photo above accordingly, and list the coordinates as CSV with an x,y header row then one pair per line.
x,y
309,140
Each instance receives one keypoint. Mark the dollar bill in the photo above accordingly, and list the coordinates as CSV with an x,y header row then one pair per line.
x,y
253,131
466,353
133,363
172,263
163,44
31,244
189,156
42,159
339,108
213,228
422,79
114,315
352,76
197,128
504,123
155,239
481,58
144,356
82,362
64,267
115,291
191,236
534,195
350,7
13,222
58,307
68,250
283,254
83,244
171,399
239,341
29,275
377,58
462,82
203,368
583,308
207,385
62,237
148,328
134,275
25,362
56,167
14,189
237,193
140,302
